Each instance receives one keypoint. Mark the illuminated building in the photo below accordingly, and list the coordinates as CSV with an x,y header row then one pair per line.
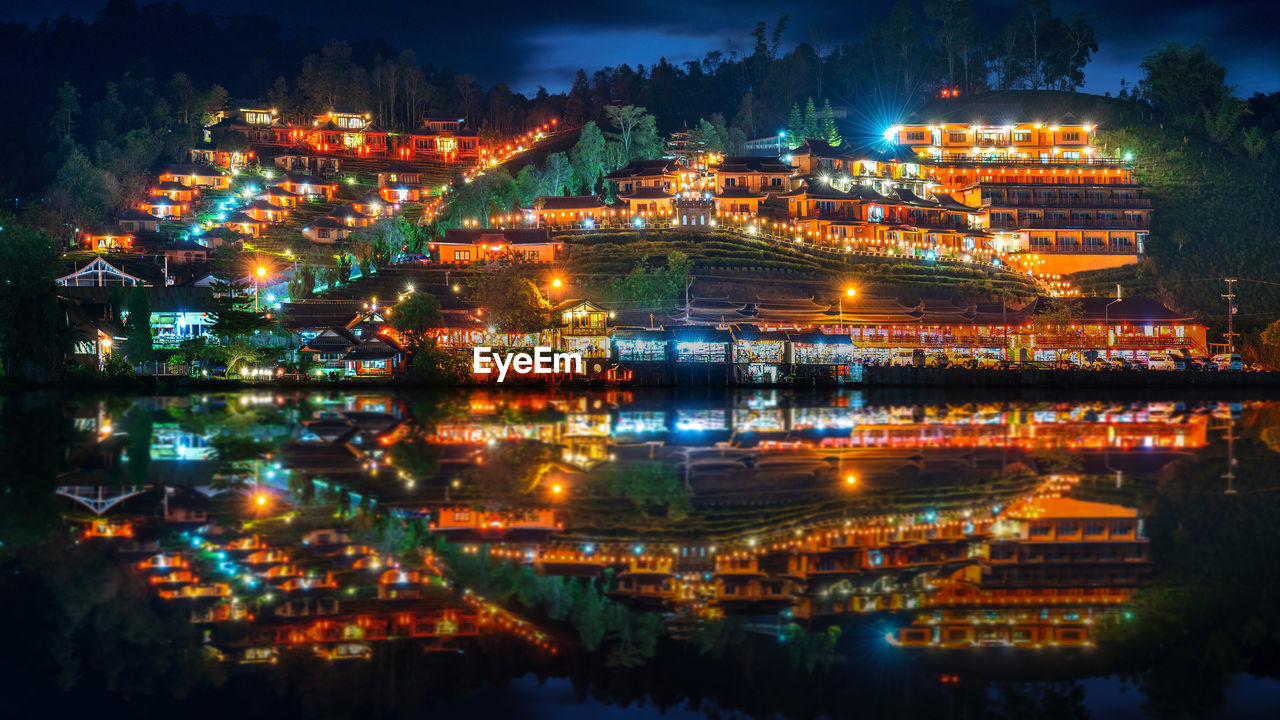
x,y
1046,189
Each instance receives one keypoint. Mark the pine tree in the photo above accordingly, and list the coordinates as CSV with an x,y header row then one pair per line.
x,y
830,132
137,327
811,129
795,127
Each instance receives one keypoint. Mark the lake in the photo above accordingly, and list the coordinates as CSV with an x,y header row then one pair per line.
x,y
636,553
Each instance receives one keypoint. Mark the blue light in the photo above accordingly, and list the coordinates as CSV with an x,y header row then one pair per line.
x,y
931,516
637,222
638,549
588,548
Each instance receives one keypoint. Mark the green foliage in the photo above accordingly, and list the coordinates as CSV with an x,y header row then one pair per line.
x,y
512,303
649,286
303,282
829,131
588,158
1182,83
137,327
33,330
415,317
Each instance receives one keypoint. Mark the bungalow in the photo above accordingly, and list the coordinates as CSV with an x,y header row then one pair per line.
x,y
265,211
373,205
397,174
567,210
177,313
232,159
279,197
397,194
163,207
309,186
754,174
245,224
175,191
137,221
377,356
195,176
447,146
326,230
738,201
351,217
305,163
814,157
464,246
185,252
664,174
108,239
328,348
218,237
648,201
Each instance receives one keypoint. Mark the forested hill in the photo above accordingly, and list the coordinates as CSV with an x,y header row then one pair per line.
x,y
1214,188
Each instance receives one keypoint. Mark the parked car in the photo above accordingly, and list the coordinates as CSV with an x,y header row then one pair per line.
x,y
1228,361
1165,361
938,360
1065,364
990,361
411,259
907,357
1099,364
1202,364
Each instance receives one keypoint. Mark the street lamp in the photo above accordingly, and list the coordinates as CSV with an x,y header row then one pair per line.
x,y
262,272
850,292
1106,315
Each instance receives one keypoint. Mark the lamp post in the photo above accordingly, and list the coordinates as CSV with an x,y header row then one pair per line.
x,y
850,292
261,272
1106,314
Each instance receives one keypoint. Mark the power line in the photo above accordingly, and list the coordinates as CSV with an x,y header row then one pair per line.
x,y
1230,297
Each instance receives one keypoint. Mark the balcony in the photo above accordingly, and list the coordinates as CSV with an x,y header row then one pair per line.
x,y
1089,249
1028,223
1001,161
1050,203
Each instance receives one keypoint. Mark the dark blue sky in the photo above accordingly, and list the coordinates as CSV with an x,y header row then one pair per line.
x,y
539,43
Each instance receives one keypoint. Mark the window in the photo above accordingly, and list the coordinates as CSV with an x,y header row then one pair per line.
x,y
325,234
461,255
1070,137
1022,137
957,137
1040,530
915,136
955,636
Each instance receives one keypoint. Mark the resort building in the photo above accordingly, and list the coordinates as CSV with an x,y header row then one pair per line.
x,y
1046,190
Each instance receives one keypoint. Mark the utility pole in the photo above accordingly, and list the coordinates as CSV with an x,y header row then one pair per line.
x,y
1230,297
1230,474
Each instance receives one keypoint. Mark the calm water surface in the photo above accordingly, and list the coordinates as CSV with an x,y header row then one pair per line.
x,y
632,554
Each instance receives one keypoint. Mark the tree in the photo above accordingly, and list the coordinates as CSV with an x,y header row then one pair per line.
x,y
951,24
1254,142
830,132
588,157
415,317
137,327
33,332
811,128
512,303
184,95
626,119
1182,82
795,127
238,353
303,282
68,109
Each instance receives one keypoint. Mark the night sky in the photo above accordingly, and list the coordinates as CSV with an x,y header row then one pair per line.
x,y
528,44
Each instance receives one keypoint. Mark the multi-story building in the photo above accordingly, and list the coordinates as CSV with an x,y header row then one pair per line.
x,y
1044,190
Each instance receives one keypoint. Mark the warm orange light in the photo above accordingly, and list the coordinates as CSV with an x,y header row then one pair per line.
x,y
261,271
850,292
850,480
260,499
557,489
555,283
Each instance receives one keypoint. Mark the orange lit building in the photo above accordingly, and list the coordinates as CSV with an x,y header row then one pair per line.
x,y
548,211
465,246
195,176
1045,189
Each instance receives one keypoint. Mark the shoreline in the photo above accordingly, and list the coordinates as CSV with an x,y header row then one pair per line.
x,y
718,377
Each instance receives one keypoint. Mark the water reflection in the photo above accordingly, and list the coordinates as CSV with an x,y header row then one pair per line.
x,y
623,532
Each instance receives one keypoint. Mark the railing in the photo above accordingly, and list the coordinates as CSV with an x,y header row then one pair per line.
x,y
1067,223
965,159
1084,249
1120,341
1050,202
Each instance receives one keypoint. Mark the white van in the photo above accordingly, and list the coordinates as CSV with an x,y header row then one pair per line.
x,y
1228,361
1165,361
907,357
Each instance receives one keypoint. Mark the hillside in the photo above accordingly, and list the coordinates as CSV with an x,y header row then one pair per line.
x,y
1215,210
